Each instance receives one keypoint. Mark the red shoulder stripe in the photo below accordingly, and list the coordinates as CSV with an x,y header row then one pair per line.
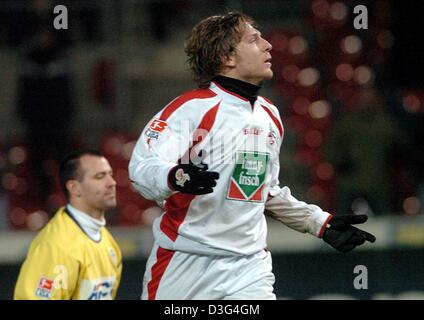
x,y
275,119
209,118
178,102
267,100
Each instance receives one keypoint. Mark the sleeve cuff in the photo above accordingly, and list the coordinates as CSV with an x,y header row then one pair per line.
x,y
162,177
319,223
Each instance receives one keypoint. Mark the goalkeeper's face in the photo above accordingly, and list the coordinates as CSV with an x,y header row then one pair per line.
x,y
97,186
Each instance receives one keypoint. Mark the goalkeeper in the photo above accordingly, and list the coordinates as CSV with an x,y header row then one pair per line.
x,y
74,256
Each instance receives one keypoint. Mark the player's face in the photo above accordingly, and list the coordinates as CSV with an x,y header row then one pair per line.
x,y
97,187
252,60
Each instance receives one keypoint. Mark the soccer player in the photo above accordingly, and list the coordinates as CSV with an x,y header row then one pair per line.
x,y
74,256
211,156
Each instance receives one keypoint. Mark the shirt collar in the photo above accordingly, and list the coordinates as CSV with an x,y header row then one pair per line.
x,y
241,89
91,226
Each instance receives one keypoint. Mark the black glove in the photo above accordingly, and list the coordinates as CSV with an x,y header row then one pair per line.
x,y
342,236
191,179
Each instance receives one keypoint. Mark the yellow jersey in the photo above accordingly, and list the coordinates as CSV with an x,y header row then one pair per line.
x,y
64,263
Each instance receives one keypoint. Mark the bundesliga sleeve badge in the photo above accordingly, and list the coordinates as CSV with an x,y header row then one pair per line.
x,y
156,128
44,288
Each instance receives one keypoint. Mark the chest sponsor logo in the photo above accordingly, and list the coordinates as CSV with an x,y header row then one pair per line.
x,y
254,131
247,180
102,290
44,288
97,289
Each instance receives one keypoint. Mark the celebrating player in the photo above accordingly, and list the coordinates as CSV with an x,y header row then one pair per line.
x,y
212,157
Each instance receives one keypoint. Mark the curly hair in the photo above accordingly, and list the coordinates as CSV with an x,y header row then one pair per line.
x,y
211,42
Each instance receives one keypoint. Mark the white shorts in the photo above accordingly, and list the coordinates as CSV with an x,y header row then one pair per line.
x,y
174,275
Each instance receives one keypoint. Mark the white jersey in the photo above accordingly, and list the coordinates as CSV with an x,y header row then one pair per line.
x,y
242,143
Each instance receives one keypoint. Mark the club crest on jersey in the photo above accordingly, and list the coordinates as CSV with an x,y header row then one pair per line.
x,y
44,288
113,255
248,178
156,128
181,177
272,137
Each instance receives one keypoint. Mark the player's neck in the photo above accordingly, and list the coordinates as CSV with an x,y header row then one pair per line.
x,y
92,212
242,88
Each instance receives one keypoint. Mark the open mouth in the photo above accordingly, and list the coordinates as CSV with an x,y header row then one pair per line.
x,y
268,60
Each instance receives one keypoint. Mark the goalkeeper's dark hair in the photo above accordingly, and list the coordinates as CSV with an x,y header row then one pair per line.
x,y
211,42
70,167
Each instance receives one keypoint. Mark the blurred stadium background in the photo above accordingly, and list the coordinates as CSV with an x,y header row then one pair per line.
x,y
352,102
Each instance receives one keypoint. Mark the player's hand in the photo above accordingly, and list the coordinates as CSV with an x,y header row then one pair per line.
x,y
191,179
344,237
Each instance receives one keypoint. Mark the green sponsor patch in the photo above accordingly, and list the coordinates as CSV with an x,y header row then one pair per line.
x,y
248,176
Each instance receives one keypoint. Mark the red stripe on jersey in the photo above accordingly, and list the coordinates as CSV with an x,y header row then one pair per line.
x,y
178,102
176,208
275,119
163,257
267,100
209,118
177,205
